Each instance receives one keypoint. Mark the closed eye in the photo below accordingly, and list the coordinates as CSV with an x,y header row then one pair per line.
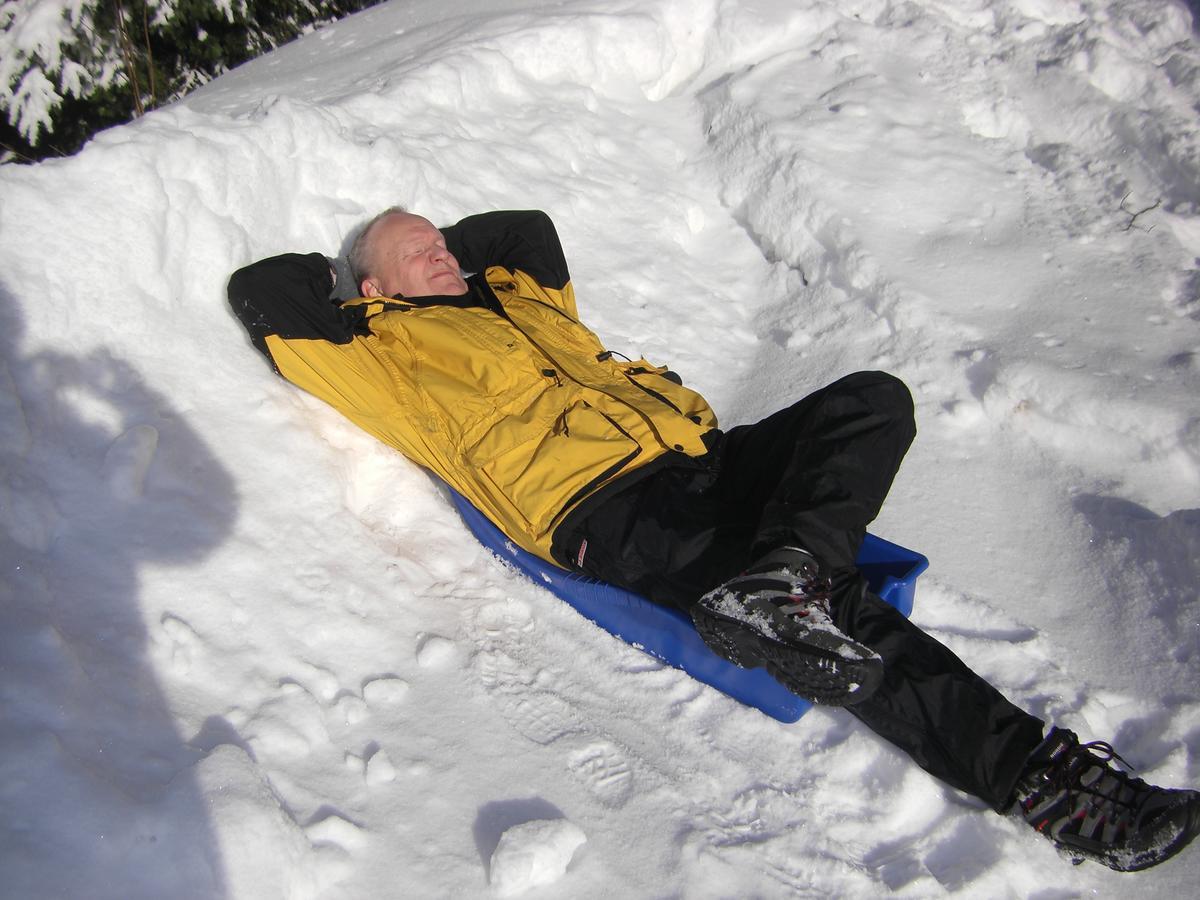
x,y
420,251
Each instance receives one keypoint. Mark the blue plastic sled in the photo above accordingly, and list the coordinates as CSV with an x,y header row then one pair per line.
x,y
668,634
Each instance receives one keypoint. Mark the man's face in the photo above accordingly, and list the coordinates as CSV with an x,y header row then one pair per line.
x,y
410,259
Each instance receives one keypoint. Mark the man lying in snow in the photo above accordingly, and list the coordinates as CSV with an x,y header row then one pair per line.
x,y
611,467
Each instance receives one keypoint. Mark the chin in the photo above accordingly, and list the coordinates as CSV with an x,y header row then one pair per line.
x,y
454,288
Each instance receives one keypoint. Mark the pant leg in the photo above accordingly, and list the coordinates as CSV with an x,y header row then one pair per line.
x,y
931,705
666,537
816,474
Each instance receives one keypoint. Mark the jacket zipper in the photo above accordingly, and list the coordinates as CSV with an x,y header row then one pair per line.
x,y
653,393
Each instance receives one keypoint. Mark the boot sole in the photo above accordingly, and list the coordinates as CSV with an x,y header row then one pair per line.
x,y
832,670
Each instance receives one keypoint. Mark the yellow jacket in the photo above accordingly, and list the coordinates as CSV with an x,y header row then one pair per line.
x,y
502,393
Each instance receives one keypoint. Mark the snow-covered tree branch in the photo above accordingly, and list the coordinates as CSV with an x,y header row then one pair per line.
x,y
69,68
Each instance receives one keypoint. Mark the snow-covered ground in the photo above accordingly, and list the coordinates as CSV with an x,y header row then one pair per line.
x,y
245,651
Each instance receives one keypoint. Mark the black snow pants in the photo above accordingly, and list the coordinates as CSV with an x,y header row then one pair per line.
x,y
814,475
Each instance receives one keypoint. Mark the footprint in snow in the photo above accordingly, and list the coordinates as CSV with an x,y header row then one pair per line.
x,y
501,630
769,836
604,771
508,664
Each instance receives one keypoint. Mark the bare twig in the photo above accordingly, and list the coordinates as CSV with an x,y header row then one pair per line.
x,y
149,54
15,152
1134,215
127,52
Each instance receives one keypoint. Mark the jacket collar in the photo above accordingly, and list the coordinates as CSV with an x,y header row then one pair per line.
x,y
479,295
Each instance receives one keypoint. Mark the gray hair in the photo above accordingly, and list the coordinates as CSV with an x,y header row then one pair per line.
x,y
361,257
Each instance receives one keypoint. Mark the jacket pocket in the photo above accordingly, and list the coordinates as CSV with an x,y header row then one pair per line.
x,y
542,463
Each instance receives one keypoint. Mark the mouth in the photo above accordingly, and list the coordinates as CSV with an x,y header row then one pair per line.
x,y
459,284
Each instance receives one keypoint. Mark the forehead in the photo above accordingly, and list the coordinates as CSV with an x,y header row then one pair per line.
x,y
405,228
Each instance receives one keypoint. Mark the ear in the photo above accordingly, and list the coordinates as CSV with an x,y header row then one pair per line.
x,y
370,288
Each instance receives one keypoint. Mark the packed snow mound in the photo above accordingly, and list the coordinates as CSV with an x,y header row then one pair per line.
x,y
250,652
533,854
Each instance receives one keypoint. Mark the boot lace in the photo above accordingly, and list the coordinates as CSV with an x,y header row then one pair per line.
x,y
811,595
1110,795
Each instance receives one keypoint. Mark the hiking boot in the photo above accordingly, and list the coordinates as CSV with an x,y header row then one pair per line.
x,y
776,615
1071,793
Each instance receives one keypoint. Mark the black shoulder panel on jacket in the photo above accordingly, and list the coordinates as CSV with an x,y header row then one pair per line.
x,y
288,296
523,240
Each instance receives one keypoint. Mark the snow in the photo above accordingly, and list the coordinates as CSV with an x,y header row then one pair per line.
x,y
249,652
35,34
533,854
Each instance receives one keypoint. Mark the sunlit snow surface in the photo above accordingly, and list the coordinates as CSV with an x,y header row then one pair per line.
x,y
245,651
